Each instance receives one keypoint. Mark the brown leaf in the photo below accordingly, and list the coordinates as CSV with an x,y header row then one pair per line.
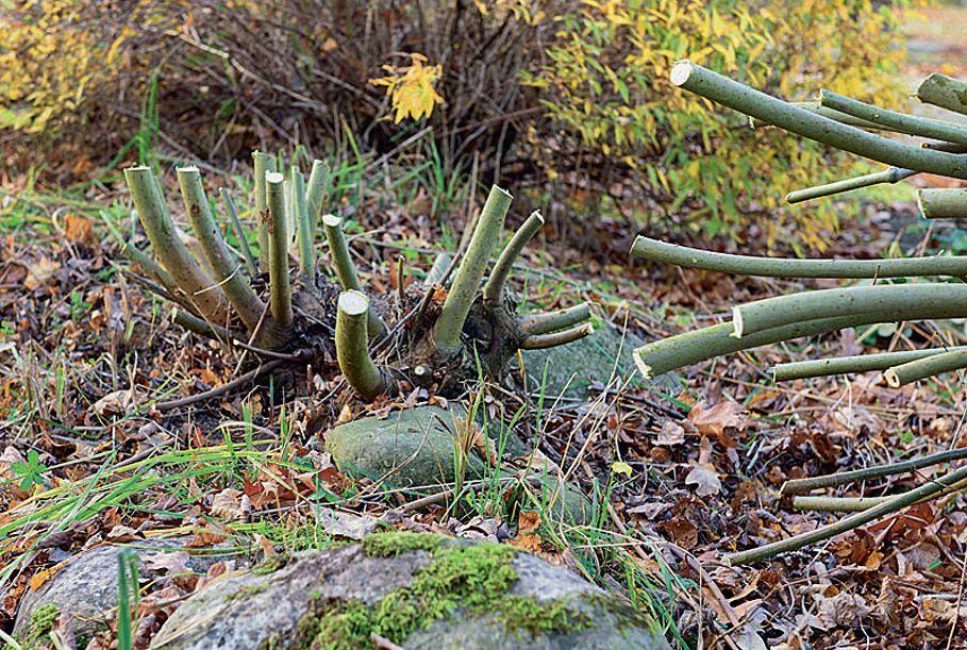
x,y
39,273
671,434
227,504
78,228
705,479
715,420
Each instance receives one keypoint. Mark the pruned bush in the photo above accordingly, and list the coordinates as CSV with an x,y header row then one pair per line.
x,y
543,88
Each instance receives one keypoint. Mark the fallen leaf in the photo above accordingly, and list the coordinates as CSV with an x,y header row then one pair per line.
x,y
227,504
706,481
39,273
344,524
619,467
78,228
119,402
715,420
671,434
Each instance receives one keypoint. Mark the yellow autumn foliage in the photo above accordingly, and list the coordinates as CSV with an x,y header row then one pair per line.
x,y
411,88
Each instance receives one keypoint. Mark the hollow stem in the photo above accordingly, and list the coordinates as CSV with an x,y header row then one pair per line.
x,y
352,346
263,164
494,287
665,355
543,341
945,92
916,370
923,127
172,253
844,365
888,175
904,301
226,270
342,263
555,320
803,485
280,298
239,232
449,325
926,491
655,250
306,236
794,119
943,203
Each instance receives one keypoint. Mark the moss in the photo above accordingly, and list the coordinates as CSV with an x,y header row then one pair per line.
x,y
42,621
250,590
474,579
270,564
391,544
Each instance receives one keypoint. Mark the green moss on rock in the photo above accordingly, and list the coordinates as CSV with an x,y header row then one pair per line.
x,y
42,621
474,579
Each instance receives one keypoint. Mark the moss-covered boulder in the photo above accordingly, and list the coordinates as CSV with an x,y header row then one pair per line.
x,y
569,370
414,589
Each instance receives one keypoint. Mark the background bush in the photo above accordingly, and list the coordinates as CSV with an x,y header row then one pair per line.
x,y
575,93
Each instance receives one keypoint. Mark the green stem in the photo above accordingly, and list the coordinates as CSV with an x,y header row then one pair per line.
x,y
438,272
923,127
904,301
945,203
342,263
306,237
197,325
494,287
803,485
279,285
938,364
316,192
226,270
843,118
240,232
654,250
836,504
553,321
928,490
945,92
844,365
352,346
544,341
711,85
888,175
449,325
263,164
171,251
665,355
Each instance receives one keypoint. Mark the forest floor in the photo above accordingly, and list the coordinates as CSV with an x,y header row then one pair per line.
x,y
682,479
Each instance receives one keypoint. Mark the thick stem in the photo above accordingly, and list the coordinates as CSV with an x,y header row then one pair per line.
x,y
280,288
240,232
857,504
226,270
923,127
843,118
543,341
928,490
197,325
692,258
945,92
718,88
172,253
686,349
263,164
938,364
844,365
306,236
803,485
486,234
494,287
888,175
352,346
945,203
342,263
555,320
904,301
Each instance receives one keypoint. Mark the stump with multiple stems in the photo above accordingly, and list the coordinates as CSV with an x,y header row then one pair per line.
x,y
843,123
281,306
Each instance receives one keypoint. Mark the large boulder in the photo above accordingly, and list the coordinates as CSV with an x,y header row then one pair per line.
x,y
416,590
83,592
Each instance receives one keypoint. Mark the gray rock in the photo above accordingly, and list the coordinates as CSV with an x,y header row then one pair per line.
x,y
408,448
86,588
288,607
572,368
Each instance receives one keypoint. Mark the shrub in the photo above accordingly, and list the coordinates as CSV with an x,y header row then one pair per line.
x,y
559,89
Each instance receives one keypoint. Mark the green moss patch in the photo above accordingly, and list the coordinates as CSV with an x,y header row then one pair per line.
x,y
474,579
42,621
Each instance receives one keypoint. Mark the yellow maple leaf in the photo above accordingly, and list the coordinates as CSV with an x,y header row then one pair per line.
x,y
411,88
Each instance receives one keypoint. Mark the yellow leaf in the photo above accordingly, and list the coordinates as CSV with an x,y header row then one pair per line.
x,y
620,467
